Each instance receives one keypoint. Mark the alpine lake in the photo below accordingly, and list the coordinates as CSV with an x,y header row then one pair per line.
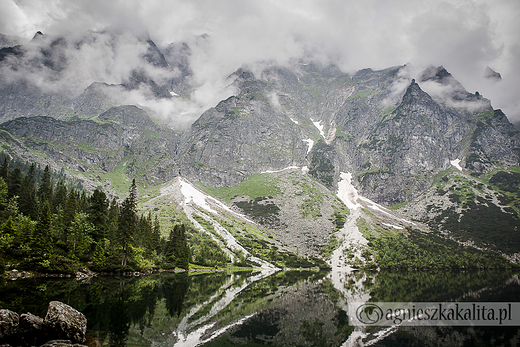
x,y
251,308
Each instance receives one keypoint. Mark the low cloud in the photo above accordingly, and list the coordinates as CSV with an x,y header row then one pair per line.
x,y
465,36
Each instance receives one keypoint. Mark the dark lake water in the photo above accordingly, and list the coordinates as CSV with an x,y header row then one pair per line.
x,y
291,308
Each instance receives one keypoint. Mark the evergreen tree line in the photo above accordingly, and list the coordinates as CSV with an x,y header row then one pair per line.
x,y
49,227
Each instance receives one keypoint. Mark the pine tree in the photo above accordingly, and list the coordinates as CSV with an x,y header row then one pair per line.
x,y
27,201
127,224
183,249
98,216
4,196
177,250
156,234
70,210
4,170
7,234
42,241
45,190
15,182
113,219
60,197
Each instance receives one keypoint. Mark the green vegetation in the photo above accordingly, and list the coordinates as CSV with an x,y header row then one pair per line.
x,y
361,95
481,220
417,250
47,227
256,186
433,285
340,215
328,249
204,250
260,245
363,176
262,210
233,113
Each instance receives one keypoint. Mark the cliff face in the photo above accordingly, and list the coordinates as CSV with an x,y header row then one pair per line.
x,y
386,130
123,140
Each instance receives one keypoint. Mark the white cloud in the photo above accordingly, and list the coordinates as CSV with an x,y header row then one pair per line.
x,y
465,36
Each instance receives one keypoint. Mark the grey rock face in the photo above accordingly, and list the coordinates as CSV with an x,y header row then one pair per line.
x,y
31,329
61,321
8,322
66,322
379,125
121,133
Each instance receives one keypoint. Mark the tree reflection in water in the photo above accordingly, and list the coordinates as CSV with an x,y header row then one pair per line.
x,y
296,308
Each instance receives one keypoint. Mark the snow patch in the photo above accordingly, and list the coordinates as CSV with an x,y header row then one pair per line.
x,y
294,121
346,191
275,171
393,226
305,169
319,126
196,197
174,94
310,143
456,164
376,207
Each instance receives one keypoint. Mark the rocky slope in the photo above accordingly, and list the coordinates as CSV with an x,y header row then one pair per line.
x,y
394,141
120,143
277,149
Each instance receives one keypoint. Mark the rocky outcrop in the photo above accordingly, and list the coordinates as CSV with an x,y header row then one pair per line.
x,y
62,326
8,324
121,136
66,322
382,126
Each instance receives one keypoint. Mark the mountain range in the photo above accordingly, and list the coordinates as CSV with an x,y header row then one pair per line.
x,y
301,157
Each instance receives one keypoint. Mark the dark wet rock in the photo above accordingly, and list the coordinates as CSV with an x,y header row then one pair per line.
x,y
30,329
65,322
62,326
8,324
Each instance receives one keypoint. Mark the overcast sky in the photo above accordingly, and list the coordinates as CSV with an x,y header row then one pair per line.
x,y
464,36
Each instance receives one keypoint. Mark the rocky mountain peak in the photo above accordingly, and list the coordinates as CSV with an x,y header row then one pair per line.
x,y
437,74
491,74
38,35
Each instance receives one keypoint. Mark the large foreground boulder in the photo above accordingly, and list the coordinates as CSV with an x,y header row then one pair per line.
x,y
64,322
8,324
31,330
62,326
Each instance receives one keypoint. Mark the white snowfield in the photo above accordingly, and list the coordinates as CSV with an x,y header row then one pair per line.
x,y
393,226
346,191
456,164
376,207
354,239
304,169
310,143
294,120
319,126
193,196
284,169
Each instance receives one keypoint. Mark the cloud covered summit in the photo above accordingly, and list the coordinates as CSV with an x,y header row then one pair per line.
x,y
465,36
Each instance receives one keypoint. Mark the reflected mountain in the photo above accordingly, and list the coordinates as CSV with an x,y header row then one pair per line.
x,y
292,308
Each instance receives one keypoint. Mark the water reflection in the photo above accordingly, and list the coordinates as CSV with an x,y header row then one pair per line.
x,y
296,308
